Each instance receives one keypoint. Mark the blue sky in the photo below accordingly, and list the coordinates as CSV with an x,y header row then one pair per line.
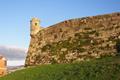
x,y
16,14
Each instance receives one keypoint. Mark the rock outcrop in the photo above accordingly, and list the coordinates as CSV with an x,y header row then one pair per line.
x,y
75,40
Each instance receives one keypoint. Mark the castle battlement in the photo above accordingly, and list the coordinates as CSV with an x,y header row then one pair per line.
x,y
34,26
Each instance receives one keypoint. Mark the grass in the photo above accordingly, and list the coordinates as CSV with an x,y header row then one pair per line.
x,y
107,68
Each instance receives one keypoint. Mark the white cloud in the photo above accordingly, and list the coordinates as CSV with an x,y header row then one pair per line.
x,y
15,56
13,53
15,62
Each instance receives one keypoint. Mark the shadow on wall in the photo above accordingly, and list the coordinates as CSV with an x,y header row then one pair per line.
x,y
118,46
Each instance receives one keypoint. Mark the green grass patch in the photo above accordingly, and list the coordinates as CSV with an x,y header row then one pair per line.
x,y
107,68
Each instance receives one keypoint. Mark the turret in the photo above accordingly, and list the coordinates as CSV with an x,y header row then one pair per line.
x,y
34,26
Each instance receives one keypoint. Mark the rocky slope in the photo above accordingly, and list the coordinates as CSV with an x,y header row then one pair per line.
x,y
75,40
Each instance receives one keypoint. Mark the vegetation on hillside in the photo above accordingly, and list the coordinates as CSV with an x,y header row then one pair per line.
x,y
107,68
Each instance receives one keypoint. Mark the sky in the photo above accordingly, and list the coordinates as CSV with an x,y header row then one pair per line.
x,y
15,15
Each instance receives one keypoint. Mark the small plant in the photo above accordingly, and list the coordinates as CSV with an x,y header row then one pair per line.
x,y
97,34
87,28
46,47
91,32
53,61
77,35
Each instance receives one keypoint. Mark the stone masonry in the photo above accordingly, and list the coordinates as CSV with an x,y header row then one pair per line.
x,y
74,40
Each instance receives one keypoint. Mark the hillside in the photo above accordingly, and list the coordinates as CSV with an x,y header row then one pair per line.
x,y
75,40
106,68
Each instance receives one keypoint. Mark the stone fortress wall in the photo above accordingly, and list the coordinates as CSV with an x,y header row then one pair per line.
x,y
74,40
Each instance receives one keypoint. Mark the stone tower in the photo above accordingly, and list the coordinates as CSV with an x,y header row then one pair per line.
x,y
3,66
34,26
